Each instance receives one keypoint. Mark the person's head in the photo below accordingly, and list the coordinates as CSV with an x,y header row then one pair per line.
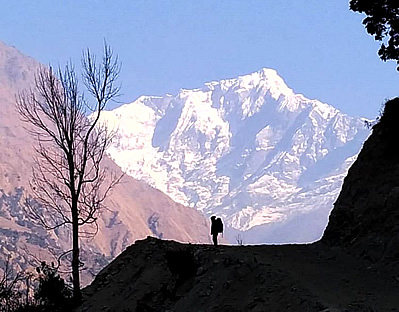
x,y
213,218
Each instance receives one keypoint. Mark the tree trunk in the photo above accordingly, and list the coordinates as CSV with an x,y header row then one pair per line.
x,y
77,295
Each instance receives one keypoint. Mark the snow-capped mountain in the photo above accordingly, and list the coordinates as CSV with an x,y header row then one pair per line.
x,y
269,161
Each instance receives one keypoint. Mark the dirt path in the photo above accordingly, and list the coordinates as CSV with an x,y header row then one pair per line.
x,y
155,275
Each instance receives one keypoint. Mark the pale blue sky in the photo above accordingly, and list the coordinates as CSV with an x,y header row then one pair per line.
x,y
319,47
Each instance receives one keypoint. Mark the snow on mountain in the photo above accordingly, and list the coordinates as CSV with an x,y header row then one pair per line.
x,y
269,161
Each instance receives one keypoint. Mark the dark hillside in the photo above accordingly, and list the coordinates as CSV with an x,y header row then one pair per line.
x,y
365,218
157,275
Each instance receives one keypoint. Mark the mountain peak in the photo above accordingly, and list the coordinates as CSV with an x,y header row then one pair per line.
x,y
16,69
265,79
268,74
246,148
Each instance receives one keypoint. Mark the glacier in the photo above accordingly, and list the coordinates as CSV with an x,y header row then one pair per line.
x,y
268,161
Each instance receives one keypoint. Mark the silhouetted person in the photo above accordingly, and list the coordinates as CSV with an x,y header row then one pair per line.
x,y
216,228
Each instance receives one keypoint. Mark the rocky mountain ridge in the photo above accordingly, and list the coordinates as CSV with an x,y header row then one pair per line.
x,y
269,161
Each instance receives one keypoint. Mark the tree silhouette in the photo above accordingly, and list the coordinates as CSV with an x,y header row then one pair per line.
x,y
382,22
69,183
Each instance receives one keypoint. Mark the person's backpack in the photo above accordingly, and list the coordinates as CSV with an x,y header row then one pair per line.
x,y
219,225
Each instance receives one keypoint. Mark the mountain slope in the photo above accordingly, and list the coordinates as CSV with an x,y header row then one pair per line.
x,y
269,161
135,210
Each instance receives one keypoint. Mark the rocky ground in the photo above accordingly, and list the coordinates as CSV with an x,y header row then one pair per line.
x,y
157,275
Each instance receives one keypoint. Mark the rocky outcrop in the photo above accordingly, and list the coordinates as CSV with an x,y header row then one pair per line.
x,y
365,218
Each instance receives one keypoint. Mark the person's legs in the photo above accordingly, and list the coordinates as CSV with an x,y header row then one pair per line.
x,y
215,239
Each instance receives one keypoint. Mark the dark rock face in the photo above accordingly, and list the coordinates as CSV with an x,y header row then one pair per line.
x,y
365,218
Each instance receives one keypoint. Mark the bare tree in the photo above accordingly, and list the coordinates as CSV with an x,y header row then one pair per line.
x,y
69,182
13,294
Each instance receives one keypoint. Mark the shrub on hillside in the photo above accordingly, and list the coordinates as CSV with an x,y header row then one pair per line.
x,y
44,291
52,292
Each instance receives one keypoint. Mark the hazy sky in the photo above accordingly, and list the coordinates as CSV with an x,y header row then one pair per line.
x,y
319,47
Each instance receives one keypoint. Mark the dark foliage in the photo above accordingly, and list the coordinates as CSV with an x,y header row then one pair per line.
x,y
25,292
52,292
382,22
14,291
